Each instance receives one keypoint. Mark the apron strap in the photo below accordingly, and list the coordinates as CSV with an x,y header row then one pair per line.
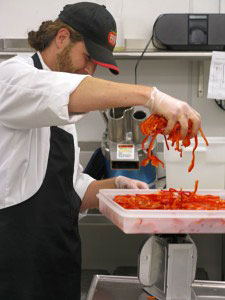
x,y
37,62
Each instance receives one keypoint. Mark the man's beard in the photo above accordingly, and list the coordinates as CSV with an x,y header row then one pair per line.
x,y
64,62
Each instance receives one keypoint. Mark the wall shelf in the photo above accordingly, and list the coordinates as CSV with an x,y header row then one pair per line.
x,y
135,54
9,54
13,46
164,55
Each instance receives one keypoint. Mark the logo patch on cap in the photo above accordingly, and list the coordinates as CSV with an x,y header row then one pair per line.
x,y
112,38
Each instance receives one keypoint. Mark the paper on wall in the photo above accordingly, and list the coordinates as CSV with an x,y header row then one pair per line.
x,y
216,86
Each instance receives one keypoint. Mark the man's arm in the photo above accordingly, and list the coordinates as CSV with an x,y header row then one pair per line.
x,y
90,200
120,182
98,94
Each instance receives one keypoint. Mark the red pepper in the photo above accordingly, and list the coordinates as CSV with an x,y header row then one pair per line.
x,y
155,125
172,199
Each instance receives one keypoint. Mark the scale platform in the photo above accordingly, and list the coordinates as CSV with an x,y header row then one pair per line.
x,y
107,287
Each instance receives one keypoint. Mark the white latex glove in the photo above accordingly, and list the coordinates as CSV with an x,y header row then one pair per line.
x,y
123,182
173,110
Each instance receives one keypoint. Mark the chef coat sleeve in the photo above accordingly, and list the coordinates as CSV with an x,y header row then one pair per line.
x,y
32,98
81,182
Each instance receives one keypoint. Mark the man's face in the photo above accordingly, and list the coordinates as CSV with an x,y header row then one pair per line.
x,y
74,58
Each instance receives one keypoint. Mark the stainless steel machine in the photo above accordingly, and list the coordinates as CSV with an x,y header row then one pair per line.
x,y
122,145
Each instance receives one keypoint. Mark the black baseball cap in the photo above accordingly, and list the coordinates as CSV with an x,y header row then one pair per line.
x,y
98,28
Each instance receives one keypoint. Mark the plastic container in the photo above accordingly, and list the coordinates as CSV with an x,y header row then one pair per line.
x,y
209,166
161,221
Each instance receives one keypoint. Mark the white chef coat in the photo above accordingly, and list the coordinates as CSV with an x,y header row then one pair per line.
x,y
31,101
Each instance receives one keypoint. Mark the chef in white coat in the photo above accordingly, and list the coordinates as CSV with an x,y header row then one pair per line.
x,y
42,187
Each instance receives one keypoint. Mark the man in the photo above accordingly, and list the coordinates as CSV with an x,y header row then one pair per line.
x,y
42,187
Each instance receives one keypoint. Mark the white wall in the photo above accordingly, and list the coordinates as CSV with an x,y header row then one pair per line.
x,y
17,17
27,14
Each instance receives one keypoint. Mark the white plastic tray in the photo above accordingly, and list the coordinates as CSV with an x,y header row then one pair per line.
x,y
161,221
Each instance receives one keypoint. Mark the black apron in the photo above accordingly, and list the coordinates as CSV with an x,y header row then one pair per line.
x,y
40,252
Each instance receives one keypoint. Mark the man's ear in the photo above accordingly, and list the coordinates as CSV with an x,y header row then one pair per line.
x,y
62,38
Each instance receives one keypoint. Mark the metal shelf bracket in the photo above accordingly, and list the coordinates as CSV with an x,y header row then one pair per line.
x,y
200,92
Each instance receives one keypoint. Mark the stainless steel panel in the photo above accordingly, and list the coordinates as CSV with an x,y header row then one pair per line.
x,y
19,45
209,290
128,112
124,288
115,288
153,266
180,270
116,125
137,118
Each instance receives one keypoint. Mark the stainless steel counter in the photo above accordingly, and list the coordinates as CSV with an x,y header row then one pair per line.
x,y
124,288
115,288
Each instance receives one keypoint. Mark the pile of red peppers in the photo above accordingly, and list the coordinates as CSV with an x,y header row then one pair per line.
x,y
155,125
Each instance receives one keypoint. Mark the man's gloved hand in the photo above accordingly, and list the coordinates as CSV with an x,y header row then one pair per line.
x,y
173,110
123,182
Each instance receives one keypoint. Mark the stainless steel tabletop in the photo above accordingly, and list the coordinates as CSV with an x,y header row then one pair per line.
x,y
106,287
